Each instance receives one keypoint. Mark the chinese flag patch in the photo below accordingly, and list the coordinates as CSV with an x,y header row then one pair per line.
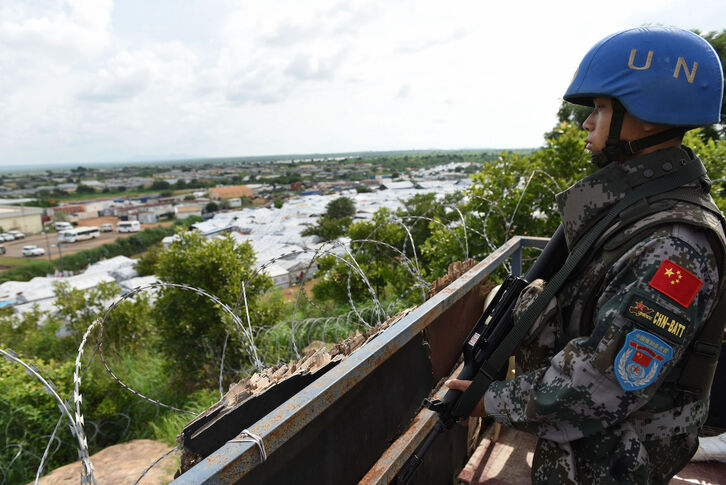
x,y
676,282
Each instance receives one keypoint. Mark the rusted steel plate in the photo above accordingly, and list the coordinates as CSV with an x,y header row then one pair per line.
x,y
391,462
234,460
340,445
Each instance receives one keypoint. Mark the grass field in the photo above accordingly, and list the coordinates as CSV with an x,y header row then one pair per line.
x,y
7,263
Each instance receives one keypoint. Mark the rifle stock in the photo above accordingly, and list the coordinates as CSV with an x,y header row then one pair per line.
x,y
490,330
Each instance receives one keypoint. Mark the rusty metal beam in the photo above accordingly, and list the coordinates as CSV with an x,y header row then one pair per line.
x,y
233,461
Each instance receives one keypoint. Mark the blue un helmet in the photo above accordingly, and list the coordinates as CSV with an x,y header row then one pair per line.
x,y
659,75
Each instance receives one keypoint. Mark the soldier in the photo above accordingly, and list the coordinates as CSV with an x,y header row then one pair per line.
x,y
613,376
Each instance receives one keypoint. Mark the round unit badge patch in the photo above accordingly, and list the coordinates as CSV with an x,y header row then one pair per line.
x,y
641,359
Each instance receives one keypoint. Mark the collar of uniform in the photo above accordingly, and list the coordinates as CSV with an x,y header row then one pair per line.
x,y
582,205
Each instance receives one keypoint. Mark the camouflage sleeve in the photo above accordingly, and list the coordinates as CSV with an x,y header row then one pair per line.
x,y
587,386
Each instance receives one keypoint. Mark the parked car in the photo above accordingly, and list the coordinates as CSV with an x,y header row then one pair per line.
x,y
33,250
2,249
7,237
62,226
17,234
106,227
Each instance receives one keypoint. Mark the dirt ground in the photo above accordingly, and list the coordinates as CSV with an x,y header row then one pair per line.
x,y
14,248
122,464
290,294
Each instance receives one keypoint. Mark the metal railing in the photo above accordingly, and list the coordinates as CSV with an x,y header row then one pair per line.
x,y
234,460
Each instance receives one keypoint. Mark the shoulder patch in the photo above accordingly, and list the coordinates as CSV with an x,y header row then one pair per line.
x,y
641,359
676,282
652,317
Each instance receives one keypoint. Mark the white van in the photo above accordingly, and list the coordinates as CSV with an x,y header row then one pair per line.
x,y
62,226
128,226
79,234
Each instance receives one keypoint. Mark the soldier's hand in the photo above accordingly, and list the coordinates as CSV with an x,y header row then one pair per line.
x,y
460,385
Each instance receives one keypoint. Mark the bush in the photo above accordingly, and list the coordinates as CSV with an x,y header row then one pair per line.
x,y
28,416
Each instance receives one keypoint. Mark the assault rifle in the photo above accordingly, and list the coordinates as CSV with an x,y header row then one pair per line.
x,y
490,331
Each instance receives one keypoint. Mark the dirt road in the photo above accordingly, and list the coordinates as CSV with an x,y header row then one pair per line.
x,y
49,244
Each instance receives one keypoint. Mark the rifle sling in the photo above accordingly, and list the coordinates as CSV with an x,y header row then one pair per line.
x,y
689,172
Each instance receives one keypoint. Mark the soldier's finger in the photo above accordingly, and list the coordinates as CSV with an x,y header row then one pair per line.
x,y
457,384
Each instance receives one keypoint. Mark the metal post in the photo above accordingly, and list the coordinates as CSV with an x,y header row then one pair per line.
x,y
517,262
47,244
60,254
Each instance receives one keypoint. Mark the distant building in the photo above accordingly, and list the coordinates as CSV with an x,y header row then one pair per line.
x,y
70,208
406,185
153,212
184,211
230,192
24,219
147,218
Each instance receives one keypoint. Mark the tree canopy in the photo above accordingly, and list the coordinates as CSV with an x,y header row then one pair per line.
x,y
333,224
192,328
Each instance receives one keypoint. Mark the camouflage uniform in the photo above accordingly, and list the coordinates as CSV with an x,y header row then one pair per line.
x,y
566,391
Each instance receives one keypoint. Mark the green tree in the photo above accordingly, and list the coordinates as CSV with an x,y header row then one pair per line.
x,y
278,203
718,41
159,184
192,328
712,153
339,208
79,308
333,224
146,263
512,195
85,189
573,113
388,251
34,333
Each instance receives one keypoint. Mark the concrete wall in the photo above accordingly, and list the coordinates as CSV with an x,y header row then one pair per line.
x,y
24,219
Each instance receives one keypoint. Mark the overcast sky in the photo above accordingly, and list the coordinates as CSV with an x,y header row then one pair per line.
x,y
85,81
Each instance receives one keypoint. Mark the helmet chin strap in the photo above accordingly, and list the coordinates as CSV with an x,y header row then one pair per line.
x,y
616,149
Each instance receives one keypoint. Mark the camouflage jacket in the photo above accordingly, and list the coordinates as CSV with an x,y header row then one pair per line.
x,y
586,372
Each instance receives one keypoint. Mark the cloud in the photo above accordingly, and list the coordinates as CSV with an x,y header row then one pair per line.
x,y
169,67
124,77
404,91
113,87
290,33
419,45
71,28
262,86
306,67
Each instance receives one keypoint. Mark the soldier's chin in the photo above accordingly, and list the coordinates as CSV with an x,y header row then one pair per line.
x,y
599,159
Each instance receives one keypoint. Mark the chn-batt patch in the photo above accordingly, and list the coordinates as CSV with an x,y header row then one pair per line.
x,y
676,282
641,359
652,317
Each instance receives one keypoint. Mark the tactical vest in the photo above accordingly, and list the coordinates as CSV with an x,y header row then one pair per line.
x,y
687,205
